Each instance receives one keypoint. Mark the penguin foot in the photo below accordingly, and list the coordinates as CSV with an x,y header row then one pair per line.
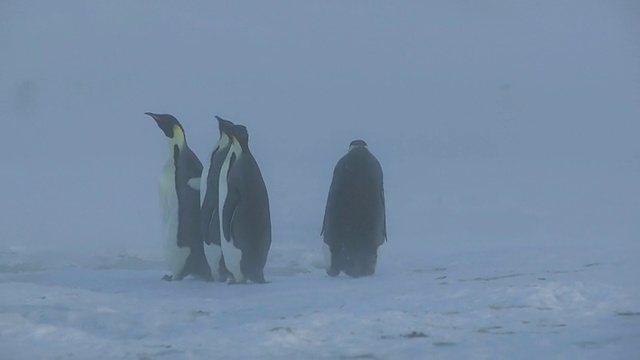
x,y
234,282
207,278
353,273
333,272
167,278
219,278
258,279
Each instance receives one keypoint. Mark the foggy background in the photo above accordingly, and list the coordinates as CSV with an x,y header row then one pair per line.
x,y
495,122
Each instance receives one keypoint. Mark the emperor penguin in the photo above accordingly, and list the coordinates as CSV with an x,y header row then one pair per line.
x,y
245,221
354,220
180,204
209,201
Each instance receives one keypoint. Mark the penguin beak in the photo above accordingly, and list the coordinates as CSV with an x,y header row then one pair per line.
x,y
152,115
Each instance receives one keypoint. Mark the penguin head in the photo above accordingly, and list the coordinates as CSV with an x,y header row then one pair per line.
x,y
169,125
241,135
357,144
225,126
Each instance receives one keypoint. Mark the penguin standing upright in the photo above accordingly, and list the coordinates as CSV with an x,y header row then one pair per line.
x,y
354,219
209,201
245,221
180,203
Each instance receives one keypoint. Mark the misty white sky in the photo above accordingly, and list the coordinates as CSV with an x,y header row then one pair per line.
x,y
494,121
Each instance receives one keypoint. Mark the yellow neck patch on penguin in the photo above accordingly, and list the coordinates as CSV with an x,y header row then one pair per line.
x,y
178,137
224,140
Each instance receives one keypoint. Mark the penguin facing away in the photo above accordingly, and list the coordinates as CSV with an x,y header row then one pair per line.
x,y
180,204
245,221
354,220
209,201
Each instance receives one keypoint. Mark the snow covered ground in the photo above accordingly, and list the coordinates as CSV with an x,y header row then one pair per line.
x,y
430,302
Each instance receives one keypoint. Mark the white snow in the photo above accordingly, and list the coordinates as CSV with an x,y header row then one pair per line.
x,y
499,302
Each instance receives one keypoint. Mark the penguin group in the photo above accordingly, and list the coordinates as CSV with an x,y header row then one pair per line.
x,y
216,223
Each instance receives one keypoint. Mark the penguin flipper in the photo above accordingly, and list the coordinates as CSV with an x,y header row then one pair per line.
x,y
384,207
208,198
230,202
326,209
329,208
384,216
229,210
194,183
207,213
212,231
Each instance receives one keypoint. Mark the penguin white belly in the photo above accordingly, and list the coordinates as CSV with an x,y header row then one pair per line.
x,y
214,254
232,255
175,257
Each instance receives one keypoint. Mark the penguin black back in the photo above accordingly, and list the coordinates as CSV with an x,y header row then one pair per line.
x,y
209,200
354,221
246,218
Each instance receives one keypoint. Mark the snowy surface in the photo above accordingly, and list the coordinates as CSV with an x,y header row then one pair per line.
x,y
502,302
